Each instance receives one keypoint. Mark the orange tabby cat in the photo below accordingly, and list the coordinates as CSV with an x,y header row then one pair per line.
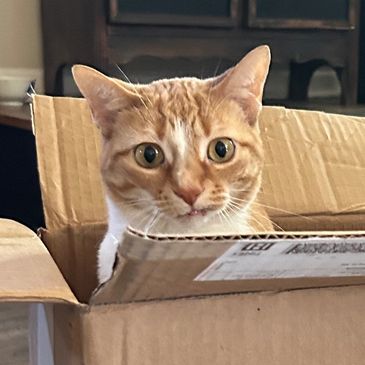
x,y
181,155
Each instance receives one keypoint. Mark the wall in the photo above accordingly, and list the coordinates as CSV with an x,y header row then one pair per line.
x,y
20,39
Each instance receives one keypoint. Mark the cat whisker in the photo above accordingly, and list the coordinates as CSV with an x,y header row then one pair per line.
x,y
261,226
258,214
134,204
155,221
239,190
238,213
139,96
237,205
228,218
220,216
134,86
269,220
128,199
140,217
273,208
282,210
151,221
142,116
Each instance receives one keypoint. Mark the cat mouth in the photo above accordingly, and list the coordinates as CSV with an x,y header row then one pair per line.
x,y
195,212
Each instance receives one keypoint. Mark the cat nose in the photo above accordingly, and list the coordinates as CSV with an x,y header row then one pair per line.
x,y
189,195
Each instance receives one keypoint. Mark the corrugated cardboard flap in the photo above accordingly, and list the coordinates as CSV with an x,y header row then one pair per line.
x,y
27,271
314,169
68,149
163,267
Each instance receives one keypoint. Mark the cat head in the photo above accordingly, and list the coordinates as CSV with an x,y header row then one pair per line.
x,y
181,150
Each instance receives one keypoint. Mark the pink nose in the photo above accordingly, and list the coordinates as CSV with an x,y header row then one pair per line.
x,y
189,195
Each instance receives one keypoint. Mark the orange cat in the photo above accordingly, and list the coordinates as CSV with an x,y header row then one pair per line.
x,y
181,155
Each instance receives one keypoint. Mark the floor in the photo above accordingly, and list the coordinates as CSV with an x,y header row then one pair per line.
x,y
13,317
13,334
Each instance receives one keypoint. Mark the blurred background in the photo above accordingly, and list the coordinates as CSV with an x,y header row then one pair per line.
x,y
318,54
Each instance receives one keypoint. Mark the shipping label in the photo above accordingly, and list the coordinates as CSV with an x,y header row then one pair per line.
x,y
282,258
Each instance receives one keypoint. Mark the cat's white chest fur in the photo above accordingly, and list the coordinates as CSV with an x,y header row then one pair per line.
x,y
117,223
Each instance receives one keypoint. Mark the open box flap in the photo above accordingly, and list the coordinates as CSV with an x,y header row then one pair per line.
x,y
74,249
68,149
315,165
27,271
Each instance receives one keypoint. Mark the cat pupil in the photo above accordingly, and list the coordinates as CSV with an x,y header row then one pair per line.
x,y
220,149
149,154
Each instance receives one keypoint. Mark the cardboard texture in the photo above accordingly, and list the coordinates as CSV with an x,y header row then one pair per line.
x,y
151,311
297,327
151,269
28,273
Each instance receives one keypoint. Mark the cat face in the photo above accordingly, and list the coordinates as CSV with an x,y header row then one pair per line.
x,y
180,150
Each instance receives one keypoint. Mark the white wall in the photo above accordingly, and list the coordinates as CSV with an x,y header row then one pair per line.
x,y
20,39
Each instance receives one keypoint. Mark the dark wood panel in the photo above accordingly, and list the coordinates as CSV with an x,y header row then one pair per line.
x,y
300,46
324,14
74,31
186,7
16,116
309,9
200,13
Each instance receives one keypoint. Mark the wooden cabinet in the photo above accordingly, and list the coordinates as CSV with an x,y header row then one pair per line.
x,y
309,14
205,13
196,34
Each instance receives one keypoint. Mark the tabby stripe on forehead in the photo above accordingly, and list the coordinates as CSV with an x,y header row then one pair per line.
x,y
204,123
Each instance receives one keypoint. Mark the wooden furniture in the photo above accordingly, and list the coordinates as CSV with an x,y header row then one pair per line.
x,y
310,14
101,34
16,116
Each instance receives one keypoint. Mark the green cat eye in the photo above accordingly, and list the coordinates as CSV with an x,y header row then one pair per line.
x,y
149,155
221,150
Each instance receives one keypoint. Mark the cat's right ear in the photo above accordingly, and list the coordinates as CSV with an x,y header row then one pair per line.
x,y
105,96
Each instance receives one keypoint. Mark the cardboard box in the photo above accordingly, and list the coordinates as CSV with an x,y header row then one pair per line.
x,y
154,310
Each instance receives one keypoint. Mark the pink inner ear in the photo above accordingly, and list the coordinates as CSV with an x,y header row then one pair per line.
x,y
248,76
251,108
245,82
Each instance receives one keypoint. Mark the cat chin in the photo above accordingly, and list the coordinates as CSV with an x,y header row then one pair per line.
x,y
208,224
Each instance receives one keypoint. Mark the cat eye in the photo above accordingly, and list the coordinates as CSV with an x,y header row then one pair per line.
x,y
149,155
221,150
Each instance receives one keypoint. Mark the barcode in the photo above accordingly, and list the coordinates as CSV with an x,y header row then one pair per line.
x,y
326,248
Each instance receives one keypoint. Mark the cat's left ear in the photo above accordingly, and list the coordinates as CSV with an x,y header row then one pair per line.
x,y
245,82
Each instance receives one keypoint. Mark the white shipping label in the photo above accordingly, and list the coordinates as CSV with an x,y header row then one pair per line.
x,y
313,257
